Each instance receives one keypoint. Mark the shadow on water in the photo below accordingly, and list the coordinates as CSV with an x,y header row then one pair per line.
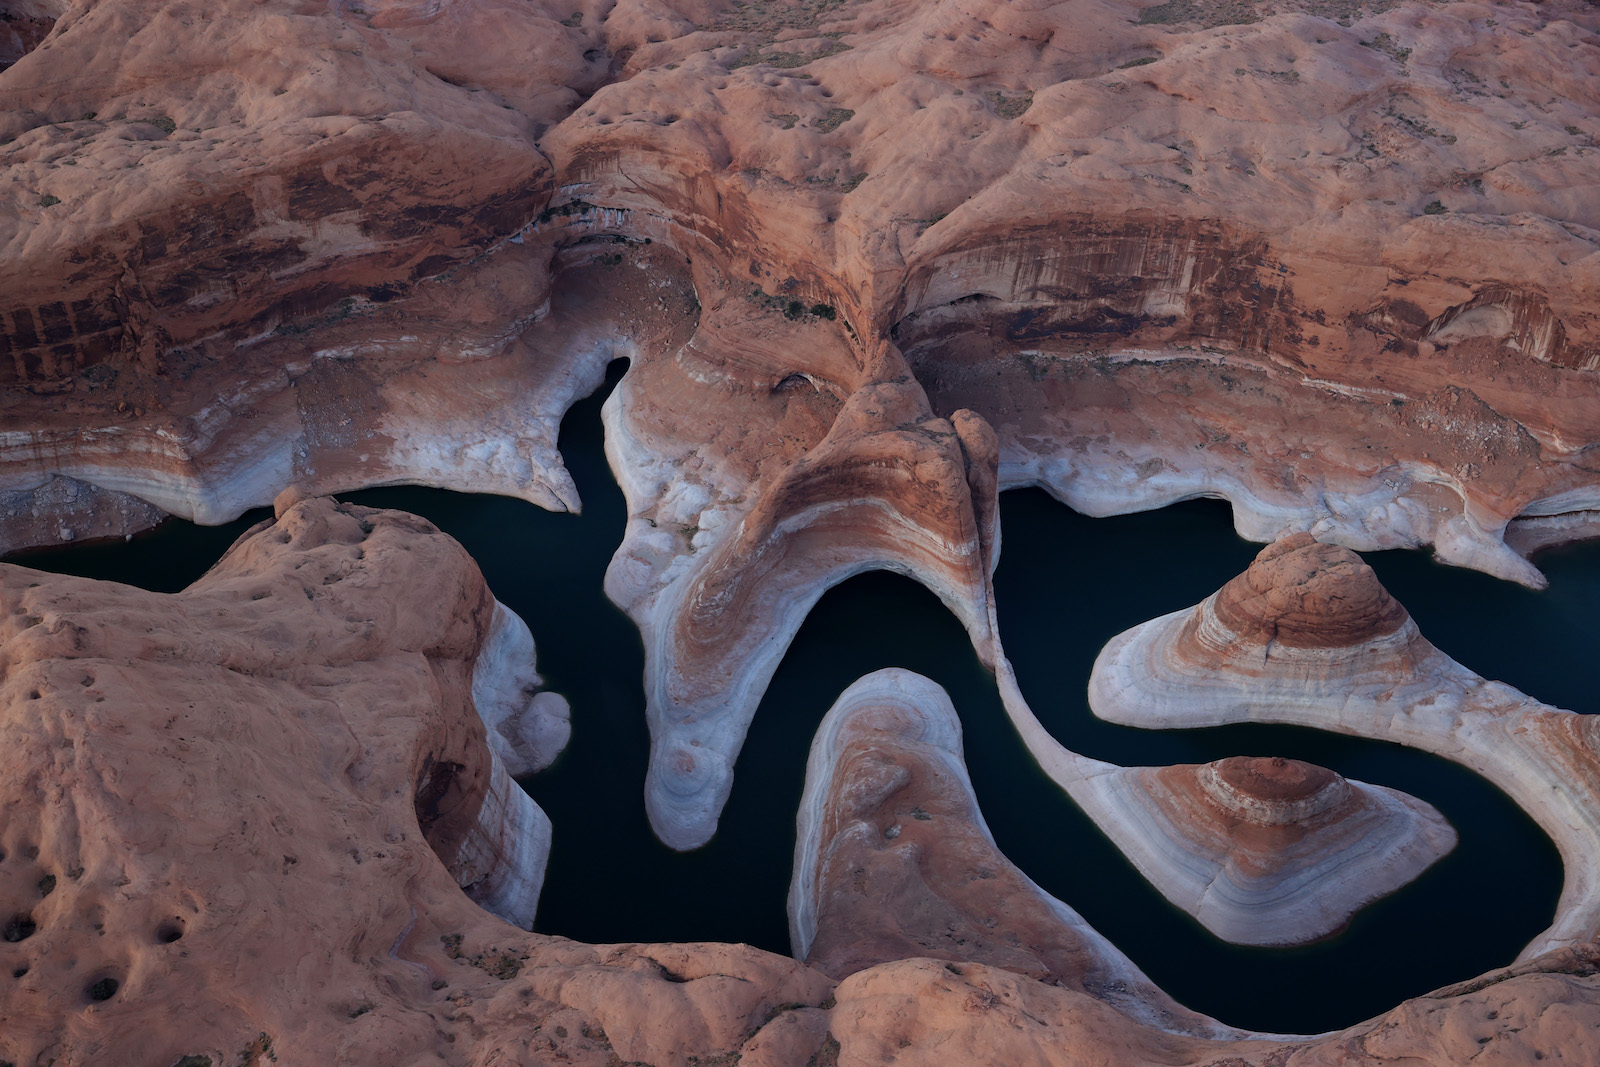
x,y
163,560
1066,584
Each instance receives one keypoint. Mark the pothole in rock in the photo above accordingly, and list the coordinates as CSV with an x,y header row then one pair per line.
x,y
19,928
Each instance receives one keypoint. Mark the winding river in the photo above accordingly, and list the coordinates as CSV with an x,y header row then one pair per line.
x,y
1065,585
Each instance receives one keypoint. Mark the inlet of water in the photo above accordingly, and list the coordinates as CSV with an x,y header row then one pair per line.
x,y
1065,585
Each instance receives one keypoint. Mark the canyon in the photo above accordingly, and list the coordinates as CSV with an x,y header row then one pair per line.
x,y
869,264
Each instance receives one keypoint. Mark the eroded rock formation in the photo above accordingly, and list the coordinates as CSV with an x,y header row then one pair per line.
x,y
1267,851
904,273
1308,635
870,261
252,804
893,860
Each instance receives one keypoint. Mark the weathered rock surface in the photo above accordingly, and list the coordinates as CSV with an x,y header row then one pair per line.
x,y
250,806
252,803
1336,263
1308,635
1267,851
896,252
893,860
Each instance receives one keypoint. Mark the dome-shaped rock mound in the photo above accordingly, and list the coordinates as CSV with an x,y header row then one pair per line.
x,y
1272,791
1267,851
1305,594
1244,655
1306,626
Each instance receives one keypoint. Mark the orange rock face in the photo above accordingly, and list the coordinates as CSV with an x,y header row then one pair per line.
x,y
870,261
252,803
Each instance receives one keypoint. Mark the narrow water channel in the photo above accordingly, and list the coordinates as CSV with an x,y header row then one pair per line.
x,y
1065,585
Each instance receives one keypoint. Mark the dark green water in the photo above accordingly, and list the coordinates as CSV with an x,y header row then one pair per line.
x,y
1065,585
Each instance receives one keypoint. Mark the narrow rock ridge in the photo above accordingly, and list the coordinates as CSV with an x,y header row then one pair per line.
x,y
1267,851
719,575
893,860
1191,669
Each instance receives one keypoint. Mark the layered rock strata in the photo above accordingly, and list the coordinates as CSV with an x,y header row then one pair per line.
x,y
242,809
1267,851
1085,300
720,573
1308,635
892,860
1336,264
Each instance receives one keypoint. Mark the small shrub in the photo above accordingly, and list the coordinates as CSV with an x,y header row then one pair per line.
x,y
49,201
824,311
1010,107
164,124
1434,207
836,117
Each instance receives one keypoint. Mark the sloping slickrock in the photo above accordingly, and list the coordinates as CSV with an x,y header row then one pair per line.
x,y
908,212
893,860
1266,851
191,178
1339,274
1335,263
1308,635
261,874
252,803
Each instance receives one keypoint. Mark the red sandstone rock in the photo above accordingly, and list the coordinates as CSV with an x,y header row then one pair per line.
x,y
1267,851
1356,663
1304,594
1343,275
234,798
